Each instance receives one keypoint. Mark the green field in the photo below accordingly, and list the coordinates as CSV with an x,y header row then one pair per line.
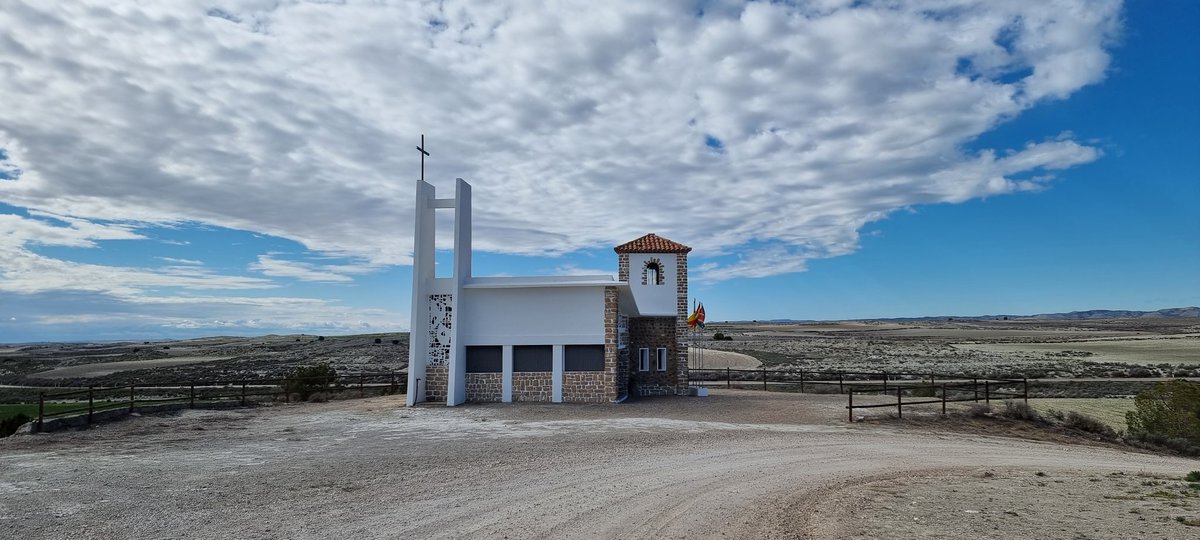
x,y
1111,411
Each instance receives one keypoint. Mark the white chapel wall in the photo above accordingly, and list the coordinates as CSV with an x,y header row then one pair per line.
x,y
532,316
652,299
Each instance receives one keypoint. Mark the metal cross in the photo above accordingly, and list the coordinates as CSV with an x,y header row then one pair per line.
x,y
423,154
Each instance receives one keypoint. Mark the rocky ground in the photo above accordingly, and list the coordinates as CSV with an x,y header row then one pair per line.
x,y
736,464
217,358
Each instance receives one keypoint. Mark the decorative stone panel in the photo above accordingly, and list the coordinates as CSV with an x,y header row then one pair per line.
x,y
587,387
436,381
485,386
533,386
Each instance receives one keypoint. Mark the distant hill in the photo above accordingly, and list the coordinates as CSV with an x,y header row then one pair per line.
x,y
1168,313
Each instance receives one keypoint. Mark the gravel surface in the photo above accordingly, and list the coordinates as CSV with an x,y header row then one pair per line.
x,y
738,463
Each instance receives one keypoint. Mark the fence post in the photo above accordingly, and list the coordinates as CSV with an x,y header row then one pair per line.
x,y
764,370
975,386
192,395
931,381
393,383
41,410
728,378
841,383
899,403
987,391
287,390
91,403
360,385
1026,383
802,381
885,379
243,393
850,407
132,401
943,399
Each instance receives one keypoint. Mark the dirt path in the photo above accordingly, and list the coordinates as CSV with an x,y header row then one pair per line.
x,y
746,464
715,359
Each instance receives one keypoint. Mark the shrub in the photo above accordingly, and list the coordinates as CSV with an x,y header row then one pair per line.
x,y
378,341
9,425
1083,422
980,410
928,391
395,342
1169,409
320,338
304,381
1139,372
1019,410
1193,476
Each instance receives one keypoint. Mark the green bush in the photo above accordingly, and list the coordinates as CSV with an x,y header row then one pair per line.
x,y
304,381
1193,476
9,425
1169,410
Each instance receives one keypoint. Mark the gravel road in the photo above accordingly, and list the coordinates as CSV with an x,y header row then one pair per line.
x,y
737,464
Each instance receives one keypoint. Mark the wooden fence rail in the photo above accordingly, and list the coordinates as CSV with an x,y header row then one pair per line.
x,y
241,391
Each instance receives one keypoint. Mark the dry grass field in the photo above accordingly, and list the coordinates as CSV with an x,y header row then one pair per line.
x,y
1111,411
1116,348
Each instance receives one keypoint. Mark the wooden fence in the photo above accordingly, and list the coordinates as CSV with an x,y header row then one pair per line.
x,y
924,387
242,392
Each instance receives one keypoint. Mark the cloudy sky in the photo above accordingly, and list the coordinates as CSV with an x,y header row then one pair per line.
x,y
246,166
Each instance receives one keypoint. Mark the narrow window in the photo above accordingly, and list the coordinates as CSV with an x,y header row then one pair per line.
x,y
643,359
652,272
662,359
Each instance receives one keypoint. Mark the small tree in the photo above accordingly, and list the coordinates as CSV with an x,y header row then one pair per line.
x,y
304,381
1169,410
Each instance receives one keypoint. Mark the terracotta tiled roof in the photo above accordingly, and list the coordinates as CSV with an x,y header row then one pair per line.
x,y
652,243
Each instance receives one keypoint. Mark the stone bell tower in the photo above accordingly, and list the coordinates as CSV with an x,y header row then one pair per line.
x,y
656,270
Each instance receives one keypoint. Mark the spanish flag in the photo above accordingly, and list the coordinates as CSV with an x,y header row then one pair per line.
x,y
697,317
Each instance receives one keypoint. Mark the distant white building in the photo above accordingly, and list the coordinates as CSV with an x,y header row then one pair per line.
x,y
554,339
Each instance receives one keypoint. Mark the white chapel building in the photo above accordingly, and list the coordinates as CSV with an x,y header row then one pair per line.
x,y
553,339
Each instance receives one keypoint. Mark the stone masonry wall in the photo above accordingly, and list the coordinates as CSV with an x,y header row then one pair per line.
x,y
586,387
652,333
436,382
485,386
533,386
681,314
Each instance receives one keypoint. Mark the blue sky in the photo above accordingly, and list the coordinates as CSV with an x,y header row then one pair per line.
x,y
826,160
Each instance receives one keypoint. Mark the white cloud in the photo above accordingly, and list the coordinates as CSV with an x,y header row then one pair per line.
x,y
580,124
190,262
27,272
274,267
